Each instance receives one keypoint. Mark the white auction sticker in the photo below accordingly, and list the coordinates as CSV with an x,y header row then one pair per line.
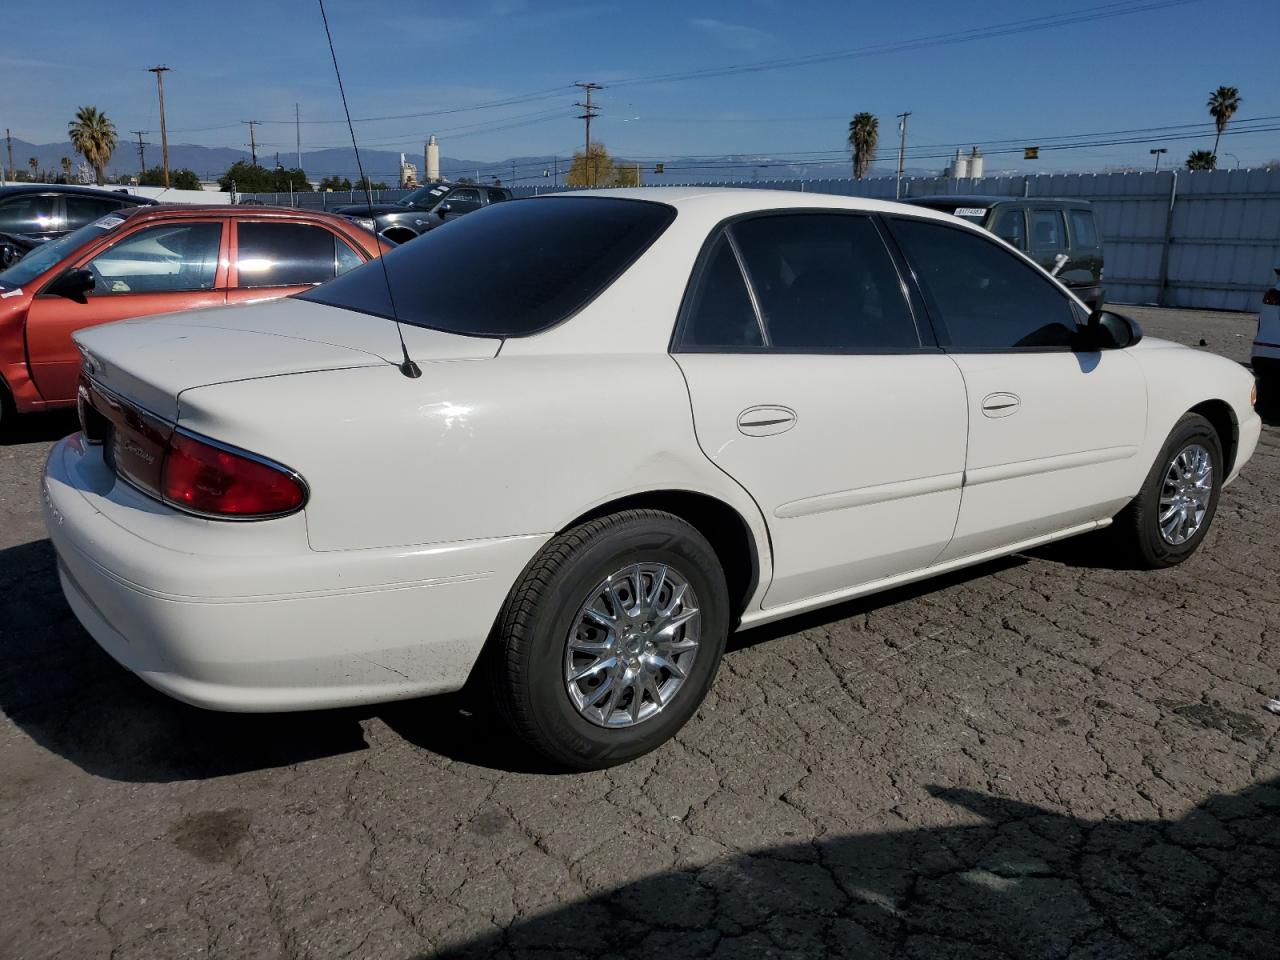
x,y
971,211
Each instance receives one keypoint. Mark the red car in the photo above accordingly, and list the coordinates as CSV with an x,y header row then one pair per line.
x,y
155,259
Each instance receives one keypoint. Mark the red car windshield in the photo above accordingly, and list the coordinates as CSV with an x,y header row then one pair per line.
x,y
54,252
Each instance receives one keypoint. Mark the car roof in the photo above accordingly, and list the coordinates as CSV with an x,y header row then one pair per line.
x,y
66,189
725,202
227,210
978,200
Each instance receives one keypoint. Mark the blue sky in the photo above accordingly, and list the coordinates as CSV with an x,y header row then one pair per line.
x,y
235,61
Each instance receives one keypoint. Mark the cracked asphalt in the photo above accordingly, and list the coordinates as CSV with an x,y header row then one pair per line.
x,y
1042,757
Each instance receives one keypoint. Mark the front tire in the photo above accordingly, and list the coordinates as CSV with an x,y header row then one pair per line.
x,y
1172,513
611,639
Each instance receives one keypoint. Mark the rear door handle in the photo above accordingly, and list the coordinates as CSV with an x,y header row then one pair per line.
x,y
766,420
996,405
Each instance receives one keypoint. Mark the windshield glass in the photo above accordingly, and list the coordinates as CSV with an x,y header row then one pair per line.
x,y
424,196
508,270
49,254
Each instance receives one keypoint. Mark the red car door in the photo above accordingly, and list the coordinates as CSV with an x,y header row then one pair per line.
x,y
162,267
277,257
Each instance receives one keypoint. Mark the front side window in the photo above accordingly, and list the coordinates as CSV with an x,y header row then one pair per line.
x,y
553,255
824,283
280,254
1011,226
159,259
981,295
464,200
28,213
1083,231
1048,232
495,196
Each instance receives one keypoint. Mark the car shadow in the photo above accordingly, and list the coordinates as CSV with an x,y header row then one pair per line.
x,y
1001,879
39,427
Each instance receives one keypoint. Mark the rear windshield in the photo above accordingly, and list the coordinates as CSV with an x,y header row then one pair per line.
x,y
508,270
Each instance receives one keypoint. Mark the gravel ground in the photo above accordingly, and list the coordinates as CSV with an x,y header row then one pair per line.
x,y
1041,757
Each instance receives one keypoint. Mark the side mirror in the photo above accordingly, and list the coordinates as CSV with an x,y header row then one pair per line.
x,y
444,208
73,285
1111,331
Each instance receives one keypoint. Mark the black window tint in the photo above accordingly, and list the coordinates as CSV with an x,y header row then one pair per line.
x,y
27,214
1047,230
284,254
508,271
720,311
463,200
82,210
1083,231
1011,225
985,297
496,196
825,282
347,258
159,259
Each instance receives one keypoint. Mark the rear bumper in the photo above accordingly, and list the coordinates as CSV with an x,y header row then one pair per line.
x,y
278,627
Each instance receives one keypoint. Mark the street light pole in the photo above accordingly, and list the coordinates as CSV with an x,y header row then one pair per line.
x,y
1156,151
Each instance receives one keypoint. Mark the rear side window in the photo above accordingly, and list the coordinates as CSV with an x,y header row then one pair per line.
x,y
495,196
1083,231
27,213
277,254
825,283
82,210
720,311
983,296
1048,232
553,255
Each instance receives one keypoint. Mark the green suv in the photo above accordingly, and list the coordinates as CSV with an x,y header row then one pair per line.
x,y
1060,235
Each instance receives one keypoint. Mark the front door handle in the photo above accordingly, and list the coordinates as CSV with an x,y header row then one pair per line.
x,y
766,420
996,405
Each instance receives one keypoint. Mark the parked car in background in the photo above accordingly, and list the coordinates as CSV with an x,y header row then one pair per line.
x,y
32,213
1060,235
154,259
682,412
424,209
1266,345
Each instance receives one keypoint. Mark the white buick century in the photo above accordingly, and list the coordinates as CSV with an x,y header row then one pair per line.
x,y
622,425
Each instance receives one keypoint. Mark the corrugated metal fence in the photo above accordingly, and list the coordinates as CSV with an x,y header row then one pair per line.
x,y
1207,239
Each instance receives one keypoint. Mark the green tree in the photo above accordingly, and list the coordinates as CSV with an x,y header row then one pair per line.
x,y
94,137
335,183
364,183
179,179
65,163
625,175
864,138
1201,160
1223,104
594,170
34,164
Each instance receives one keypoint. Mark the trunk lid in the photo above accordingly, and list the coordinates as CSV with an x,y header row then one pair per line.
x,y
151,360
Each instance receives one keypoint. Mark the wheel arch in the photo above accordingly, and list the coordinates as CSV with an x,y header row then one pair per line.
x,y
725,528
1223,419
399,234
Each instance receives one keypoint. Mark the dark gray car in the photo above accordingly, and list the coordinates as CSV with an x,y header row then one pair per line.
x,y
425,209
31,213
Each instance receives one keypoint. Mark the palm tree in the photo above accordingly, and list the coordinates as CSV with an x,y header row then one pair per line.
x,y
34,164
1201,160
66,168
864,137
94,137
1223,104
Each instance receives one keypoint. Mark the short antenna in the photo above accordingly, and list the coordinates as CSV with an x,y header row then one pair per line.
x,y
407,366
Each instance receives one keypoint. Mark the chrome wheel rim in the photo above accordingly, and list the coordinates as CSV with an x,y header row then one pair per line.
x,y
1184,497
632,645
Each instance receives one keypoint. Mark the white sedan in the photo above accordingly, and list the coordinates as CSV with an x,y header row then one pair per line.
x,y
623,425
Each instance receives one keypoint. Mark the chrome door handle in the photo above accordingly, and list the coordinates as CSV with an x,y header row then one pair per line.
x,y
996,405
766,420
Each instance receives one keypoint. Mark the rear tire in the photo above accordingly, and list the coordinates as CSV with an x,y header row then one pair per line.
x,y
8,413
605,599
1172,513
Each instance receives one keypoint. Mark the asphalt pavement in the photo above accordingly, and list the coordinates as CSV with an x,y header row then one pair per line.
x,y
1042,757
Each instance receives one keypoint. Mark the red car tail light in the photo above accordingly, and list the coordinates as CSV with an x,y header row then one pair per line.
x,y
210,479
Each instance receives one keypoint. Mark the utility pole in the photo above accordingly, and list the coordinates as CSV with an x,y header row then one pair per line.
x,y
142,153
588,114
9,140
253,141
164,137
902,149
513,173
297,132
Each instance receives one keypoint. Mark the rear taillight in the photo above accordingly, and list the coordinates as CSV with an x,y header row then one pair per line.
x,y
210,479
1272,297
